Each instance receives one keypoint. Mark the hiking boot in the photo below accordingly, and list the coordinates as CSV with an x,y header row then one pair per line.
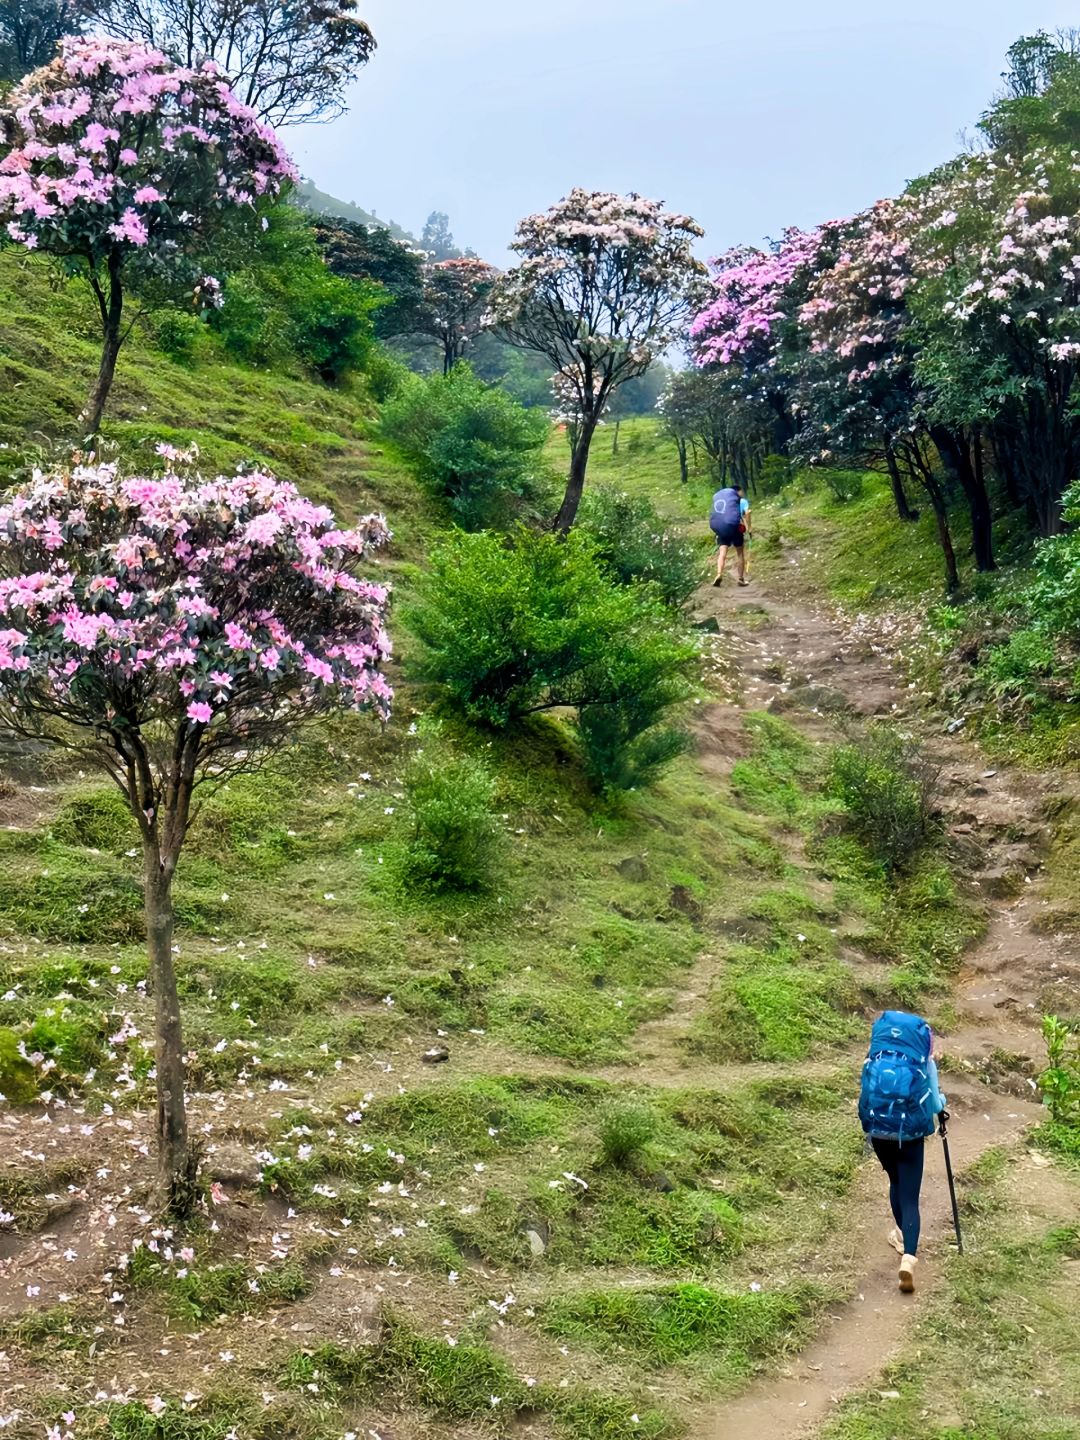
x,y
907,1273
896,1240
718,581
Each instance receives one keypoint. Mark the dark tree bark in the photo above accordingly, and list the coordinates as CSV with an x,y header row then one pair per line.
x,y
615,438
956,455
110,300
177,1161
575,484
903,508
684,469
936,497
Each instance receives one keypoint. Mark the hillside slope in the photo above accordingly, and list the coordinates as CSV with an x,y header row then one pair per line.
x,y
570,1157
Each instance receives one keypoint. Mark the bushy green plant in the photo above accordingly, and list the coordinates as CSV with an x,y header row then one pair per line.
x,y
177,334
635,543
886,787
842,485
457,837
775,474
513,626
1060,1081
470,443
626,1130
282,302
97,819
623,744
1017,666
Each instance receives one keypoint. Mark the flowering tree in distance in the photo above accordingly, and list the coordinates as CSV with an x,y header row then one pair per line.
x,y
176,630
454,305
289,60
604,285
124,166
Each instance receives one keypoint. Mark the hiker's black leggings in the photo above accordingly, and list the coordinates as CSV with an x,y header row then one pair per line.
x,y
904,1166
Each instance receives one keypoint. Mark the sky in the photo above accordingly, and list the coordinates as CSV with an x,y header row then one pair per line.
x,y
750,116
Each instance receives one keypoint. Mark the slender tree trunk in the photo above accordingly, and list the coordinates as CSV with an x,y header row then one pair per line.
x,y
575,484
903,509
615,438
684,469
99,395
177,1161
955,452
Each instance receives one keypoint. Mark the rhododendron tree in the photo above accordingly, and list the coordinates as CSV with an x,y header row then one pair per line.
x,y
125,166
176,630
454,305
289,60
604,285
1000,323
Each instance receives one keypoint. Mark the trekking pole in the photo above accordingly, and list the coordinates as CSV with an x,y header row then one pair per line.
x,y
942,1118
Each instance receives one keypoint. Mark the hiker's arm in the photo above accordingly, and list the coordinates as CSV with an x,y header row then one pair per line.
x,y
939,1099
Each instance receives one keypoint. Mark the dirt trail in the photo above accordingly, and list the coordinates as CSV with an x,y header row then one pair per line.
x,y
813,668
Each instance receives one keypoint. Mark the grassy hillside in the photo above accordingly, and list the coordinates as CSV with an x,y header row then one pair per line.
x,y
621,1191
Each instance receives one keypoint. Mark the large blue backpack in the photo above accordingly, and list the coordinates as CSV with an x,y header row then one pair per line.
x,y
897,1098
725,509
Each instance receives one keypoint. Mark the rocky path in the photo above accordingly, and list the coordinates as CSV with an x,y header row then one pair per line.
x,y
813,668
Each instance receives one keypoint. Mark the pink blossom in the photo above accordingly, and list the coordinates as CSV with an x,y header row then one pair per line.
x,y
199,711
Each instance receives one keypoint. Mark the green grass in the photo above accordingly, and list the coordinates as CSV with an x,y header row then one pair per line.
x,y
662,1327
996,1353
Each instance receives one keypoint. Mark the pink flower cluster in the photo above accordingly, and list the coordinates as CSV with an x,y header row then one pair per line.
x,y
752,298
108,146
215,600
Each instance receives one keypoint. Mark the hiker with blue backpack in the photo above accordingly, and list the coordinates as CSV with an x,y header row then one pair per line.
x,y
898,1103
726,523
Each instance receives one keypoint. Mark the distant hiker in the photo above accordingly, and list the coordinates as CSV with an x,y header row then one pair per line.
x,y
899,1099
746,522
726,525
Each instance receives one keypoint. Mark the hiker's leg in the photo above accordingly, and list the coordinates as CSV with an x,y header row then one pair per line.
x,y
910,1183
721,556
742,563
887,1151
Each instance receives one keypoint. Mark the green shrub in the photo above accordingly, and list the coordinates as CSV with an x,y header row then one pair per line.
x,y
1060,1081
1017,666
634,543
177,334
624,747
886,788
775,474
626,1130
98,820
457,839
18,1082
842,485
514,626
281,302
470,443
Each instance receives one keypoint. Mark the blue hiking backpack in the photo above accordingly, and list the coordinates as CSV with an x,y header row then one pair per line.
x,y
725,509
898,1097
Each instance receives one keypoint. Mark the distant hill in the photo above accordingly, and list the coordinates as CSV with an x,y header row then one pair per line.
x,y
312,198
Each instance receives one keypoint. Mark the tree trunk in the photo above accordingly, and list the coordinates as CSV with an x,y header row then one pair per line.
x,y
575,484
99,395
177,1161
903,509
684,469
955,452
615,438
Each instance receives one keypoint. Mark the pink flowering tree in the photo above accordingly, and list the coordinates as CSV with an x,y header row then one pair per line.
x,y
999,316
751,322
176,630
604,285
454,305
125,166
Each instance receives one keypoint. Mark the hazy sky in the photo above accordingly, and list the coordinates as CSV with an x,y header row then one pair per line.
x,y
750,116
